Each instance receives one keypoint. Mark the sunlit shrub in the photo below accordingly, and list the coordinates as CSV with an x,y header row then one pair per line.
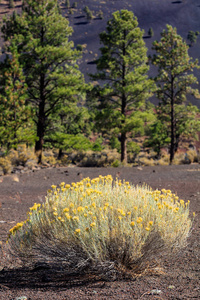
x,y
93,158
102,225
25,154
147,161
192,156
49,158
5,165
115,163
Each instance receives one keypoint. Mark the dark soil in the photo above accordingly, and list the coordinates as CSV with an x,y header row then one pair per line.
x,y
176,278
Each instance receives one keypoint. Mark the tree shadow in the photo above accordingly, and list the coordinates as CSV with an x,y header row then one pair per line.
x,y
4,12
93,62
176,2
146,37
79,17
81,23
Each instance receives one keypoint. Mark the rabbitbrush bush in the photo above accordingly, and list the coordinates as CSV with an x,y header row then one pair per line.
x,y
101,224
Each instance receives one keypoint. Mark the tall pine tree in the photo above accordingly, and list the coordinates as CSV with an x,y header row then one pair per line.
x,y
123,67
174,82
48,58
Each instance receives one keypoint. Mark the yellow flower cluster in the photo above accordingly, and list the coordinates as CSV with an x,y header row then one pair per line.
x,y
13,230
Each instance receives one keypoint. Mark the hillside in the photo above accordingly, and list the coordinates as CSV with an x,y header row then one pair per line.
x,y
184,15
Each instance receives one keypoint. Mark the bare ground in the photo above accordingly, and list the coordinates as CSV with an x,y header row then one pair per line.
x,y
176,278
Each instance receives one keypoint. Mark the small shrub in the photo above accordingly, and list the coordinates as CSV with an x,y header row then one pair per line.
x,y
192,156
67,4
5,165
88,12
65,160
74,5
147,161
151,32
179,158
79,47
103,226
11,4
49,157
25,154
100,15
115,163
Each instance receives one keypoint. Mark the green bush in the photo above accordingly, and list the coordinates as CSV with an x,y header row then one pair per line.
x,y
11,4
115,163
67,4
100,14
110,227
79,47
74,5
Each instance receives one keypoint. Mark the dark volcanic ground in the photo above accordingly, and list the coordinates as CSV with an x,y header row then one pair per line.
x,y
176,278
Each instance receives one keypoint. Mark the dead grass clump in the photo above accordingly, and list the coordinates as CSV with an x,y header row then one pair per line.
x,y
192,156
49,157
102,226
147,161
5,165
25,155
94,158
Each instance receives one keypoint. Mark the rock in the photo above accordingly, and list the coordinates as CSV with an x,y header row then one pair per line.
x,y
171,287
139,168
155,292
15,178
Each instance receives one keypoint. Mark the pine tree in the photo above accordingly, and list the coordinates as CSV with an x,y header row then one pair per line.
x,y
192,37
151,32
174,82
48,58
123,67
11,4
14,113
67,4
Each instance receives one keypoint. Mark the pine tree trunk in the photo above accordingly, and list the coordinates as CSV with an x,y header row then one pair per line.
x,y
123,108
41,122
39,143
172,144
60,153
123,148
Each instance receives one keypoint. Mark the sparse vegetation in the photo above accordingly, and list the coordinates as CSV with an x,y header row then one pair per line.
x,y
67,4
151,32
88,12
11,4
74,5
192,37
100,14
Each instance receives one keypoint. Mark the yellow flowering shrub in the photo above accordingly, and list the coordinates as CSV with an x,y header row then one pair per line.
x,y
102,222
